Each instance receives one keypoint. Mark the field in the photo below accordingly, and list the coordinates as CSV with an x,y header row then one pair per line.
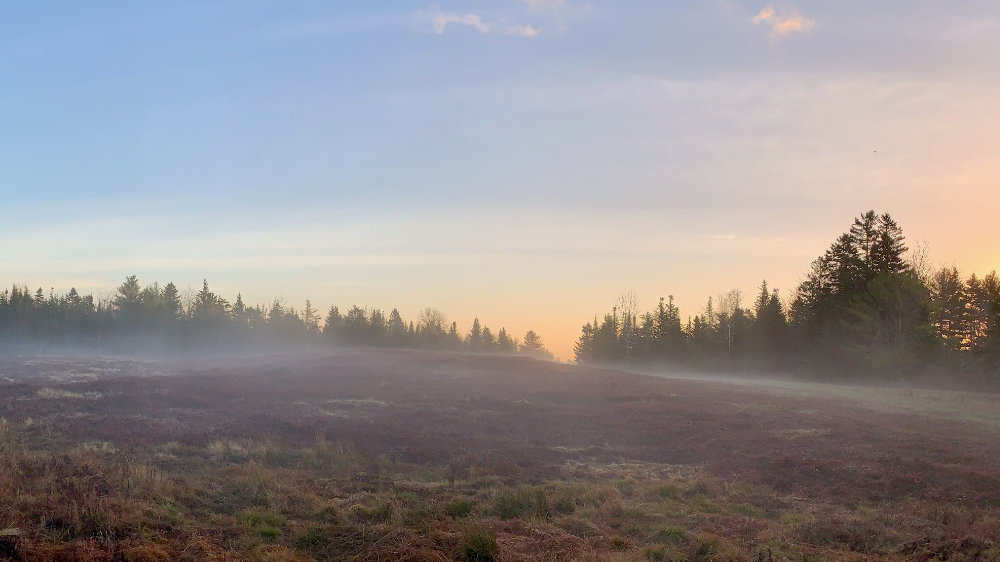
x,y
402,455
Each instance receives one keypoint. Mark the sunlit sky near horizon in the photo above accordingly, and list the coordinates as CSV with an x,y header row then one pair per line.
x,y
523,161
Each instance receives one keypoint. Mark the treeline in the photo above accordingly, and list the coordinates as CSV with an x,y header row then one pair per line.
x,y
154,318
863,309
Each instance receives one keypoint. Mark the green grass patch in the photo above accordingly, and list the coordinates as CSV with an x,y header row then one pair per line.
x,y
254,518
269,533
458,509
669,535
311,540
654,553
746,510
668,491
511,504
480,545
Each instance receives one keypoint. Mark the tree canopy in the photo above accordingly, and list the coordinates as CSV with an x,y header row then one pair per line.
x,y
862,308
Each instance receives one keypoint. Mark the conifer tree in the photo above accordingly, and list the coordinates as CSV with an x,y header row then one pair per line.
x,y
950,309
377,327
474,339
333,325
488,340
583,349
504,342
454,339
128,302
310,317
397,329
171,301
889,247
356,324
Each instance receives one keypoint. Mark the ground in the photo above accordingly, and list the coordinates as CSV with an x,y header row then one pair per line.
x,y
405,455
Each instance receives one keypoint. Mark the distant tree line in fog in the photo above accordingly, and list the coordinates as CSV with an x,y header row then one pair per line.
x,y
867,308
154,318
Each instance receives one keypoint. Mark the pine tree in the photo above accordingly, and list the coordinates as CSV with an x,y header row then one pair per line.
x,y
504,342
397,329
864,233
474,339
454,339
847,269
763,297
984,315
334,324
377,326
171,301
128,302
709,316
950,309
703,334
534,346
356,324
210,315
890,323
207,304
607,348
771,326
488,340
583,349
310,317
240,312
889,247
669,337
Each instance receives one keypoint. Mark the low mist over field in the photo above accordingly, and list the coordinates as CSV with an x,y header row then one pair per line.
x,y
419,455
869,310
553,280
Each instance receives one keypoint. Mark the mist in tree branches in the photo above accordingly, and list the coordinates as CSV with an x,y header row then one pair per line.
x,y
862,311
157,319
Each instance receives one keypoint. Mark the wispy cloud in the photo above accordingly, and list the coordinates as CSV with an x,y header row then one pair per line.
x,y
521,30
765,15
440,21
783,24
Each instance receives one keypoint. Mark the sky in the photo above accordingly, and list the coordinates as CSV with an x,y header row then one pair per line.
x,y
520,161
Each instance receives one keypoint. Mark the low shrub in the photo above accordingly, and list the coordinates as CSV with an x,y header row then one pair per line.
x,y
312,539
459,508
668,491
655,553
480,545
511,504
618,543
258,518
269,533
564,503
669,535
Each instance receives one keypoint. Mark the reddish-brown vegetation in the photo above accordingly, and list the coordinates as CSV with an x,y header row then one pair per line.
x,y
370,455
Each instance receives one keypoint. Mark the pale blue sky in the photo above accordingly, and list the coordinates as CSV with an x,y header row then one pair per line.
x,y
520,160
